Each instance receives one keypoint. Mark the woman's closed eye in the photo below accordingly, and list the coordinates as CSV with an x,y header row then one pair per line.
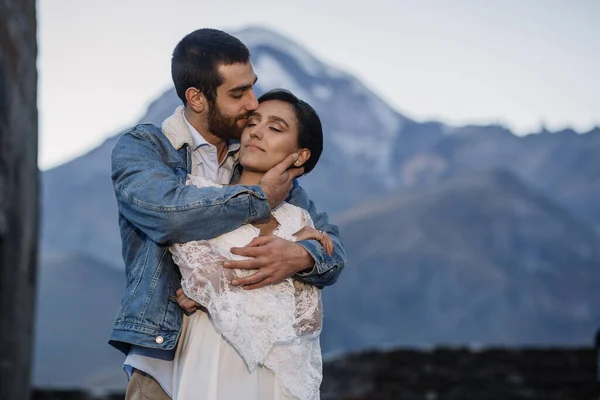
x,y
274,128
253,120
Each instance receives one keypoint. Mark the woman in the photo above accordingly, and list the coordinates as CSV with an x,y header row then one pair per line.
x,y
263,343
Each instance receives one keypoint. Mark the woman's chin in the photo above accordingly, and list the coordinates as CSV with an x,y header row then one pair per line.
x,y
259,169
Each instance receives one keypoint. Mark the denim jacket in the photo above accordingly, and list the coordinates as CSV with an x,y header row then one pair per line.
x,y
157,209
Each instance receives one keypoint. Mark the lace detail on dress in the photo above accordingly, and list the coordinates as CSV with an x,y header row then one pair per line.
x,y
277,326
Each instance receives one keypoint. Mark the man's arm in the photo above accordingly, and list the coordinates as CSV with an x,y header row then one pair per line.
x,y
326,269
150,196
276,259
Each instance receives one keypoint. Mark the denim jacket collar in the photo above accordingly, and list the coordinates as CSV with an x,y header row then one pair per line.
x,y
176,130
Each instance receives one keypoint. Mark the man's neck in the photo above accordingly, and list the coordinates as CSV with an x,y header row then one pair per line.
x,y
201,125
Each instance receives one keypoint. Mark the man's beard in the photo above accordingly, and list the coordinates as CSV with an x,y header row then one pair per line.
x,y
224,126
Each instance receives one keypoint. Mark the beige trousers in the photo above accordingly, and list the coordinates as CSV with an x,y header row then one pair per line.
x,y
143,387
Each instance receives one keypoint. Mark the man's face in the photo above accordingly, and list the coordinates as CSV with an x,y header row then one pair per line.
x,y
234,102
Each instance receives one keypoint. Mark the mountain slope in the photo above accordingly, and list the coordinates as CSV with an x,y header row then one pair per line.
x,y
477,259
77,303
562,164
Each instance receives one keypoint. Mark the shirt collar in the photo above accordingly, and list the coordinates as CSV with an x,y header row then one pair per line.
x,y
233,145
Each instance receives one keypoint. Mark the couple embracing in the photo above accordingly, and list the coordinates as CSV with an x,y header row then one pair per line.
x,y
225,254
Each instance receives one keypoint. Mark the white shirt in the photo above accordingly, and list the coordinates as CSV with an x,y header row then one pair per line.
x,y
159,363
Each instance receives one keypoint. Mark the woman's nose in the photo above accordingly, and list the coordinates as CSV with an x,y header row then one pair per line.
x,y
255,132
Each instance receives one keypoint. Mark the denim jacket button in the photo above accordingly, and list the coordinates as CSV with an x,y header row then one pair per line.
x,y
174,299
159,339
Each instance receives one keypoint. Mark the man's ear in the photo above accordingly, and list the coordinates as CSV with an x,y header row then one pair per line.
x,y
303,156
196,100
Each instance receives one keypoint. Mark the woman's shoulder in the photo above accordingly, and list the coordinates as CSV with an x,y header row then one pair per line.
x,y
287,208
291,216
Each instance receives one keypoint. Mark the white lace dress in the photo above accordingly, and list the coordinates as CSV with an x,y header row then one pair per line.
x,y
254,344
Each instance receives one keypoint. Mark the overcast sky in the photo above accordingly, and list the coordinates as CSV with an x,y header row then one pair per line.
x,y
518,62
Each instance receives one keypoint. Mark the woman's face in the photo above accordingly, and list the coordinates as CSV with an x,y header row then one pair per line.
x,y
270,136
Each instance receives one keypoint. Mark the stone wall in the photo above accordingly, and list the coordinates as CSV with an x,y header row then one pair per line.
x,y
18,194
461,374
443,374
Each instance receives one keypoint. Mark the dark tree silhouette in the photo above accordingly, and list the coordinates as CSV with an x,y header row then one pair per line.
x,y
18,194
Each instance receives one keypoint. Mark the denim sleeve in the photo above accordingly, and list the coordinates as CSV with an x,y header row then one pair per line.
x,y
152,198
327,268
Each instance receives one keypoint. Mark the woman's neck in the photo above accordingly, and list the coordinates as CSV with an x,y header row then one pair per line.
x,y
250,178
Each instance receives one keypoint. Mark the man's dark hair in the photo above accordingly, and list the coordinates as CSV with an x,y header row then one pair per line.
x,y
197,57
310,131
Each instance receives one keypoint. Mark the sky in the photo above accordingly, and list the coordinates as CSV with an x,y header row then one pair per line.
x,y
524,64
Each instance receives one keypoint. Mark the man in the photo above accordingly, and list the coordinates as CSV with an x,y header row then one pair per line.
x,y
214,78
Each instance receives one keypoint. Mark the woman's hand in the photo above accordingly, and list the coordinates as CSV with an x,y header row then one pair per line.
x,y
308,233
188,305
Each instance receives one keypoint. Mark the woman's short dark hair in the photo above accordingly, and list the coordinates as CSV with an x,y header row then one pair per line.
x,y
310,131
197,57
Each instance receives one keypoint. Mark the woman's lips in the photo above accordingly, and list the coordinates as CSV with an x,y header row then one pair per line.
x,y
253,146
